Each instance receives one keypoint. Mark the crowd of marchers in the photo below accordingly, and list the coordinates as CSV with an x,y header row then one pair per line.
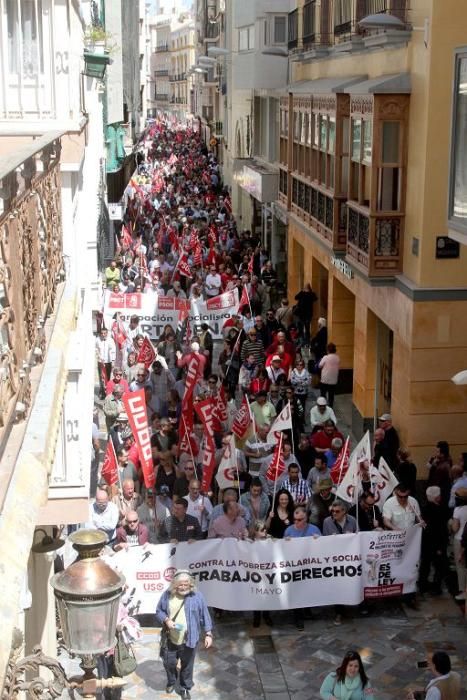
x,y
274,352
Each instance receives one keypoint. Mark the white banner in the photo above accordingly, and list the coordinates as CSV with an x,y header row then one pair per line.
x,y
155,311
277,574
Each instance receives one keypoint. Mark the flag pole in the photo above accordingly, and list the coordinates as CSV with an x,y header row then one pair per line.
x,y
277,467
291,429
236,466
346,444
189,445
116,462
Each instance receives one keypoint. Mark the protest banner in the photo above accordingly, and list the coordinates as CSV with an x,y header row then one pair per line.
x,y
147,354
135,407
278,574
155,311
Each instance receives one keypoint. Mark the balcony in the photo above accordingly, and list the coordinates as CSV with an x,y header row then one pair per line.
x,y
161,72
292,41
161,97
162,48
218,128
322,211
177,100
177,77
374,243
211,31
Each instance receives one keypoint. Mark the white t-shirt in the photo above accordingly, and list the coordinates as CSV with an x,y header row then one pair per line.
x,y
196,509
401,518
213,284
460,513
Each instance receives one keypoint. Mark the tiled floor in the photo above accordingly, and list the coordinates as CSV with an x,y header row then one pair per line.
x,y
391,640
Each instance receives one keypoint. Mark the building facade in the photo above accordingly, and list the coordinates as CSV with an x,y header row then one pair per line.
x,y
364,150
52,173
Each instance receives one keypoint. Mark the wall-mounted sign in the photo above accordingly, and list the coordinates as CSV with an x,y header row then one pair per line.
x,y
446,247
343,267
115,211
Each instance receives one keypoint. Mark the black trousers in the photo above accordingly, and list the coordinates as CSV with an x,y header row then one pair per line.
x,y
440,564
171,655
328,391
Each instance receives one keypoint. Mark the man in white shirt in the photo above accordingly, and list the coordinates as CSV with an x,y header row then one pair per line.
x,y
213,282
320,413
103,515
199,506
105,353
401,510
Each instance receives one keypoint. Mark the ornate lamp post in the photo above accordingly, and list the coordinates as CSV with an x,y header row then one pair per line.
x,y
88,593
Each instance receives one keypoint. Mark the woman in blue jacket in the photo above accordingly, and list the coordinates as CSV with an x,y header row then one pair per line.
x,y
348,682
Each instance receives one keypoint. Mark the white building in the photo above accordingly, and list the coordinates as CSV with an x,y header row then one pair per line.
x,y
51,168
259,73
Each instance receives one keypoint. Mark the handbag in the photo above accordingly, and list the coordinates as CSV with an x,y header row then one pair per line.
x,y
165,632
124,658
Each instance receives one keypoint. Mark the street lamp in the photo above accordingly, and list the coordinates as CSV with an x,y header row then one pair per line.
x,y
88,593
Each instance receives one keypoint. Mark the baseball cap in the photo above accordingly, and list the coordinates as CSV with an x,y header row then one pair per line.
x,y
275,357
122,417
322,401
385,416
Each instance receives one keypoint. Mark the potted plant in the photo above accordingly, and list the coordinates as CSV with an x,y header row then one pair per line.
x,y
97,39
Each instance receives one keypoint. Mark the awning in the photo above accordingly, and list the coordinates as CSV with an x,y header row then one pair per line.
x,y
398,83
324,86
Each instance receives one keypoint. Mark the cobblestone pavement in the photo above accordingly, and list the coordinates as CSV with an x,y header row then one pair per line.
x,y
279,663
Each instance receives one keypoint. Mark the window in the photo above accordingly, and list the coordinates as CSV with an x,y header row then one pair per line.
x,y
246,38
280,30
458,174
31,61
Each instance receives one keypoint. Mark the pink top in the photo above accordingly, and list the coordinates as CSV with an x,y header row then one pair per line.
x,y
223,527
329,366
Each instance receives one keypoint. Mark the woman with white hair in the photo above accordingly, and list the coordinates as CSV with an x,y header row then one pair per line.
x,y
435,538
320,340
182,612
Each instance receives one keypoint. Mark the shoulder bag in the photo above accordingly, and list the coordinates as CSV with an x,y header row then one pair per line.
x,y
165,632
124,658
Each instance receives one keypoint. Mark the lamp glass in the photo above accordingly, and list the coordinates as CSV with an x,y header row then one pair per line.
x,y
88,627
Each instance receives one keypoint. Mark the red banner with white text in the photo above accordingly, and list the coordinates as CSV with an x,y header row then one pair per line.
x,y
135,407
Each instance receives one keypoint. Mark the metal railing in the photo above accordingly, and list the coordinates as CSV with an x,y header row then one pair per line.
x,y
162,48
31,267
161,71
161,96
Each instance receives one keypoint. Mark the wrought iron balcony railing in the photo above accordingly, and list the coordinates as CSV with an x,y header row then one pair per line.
x,y
31,266
374,243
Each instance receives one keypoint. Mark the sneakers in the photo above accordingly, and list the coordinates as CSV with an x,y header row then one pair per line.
x,y
461,596
185,694
338,620
169,689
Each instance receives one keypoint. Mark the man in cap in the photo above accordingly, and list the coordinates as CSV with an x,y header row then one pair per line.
x,y
320,413
275,369
262,409
147,515
391,440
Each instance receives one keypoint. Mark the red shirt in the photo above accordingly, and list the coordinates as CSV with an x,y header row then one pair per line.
x,y
323,441
109,387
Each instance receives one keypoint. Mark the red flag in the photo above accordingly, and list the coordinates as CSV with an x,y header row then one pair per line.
x,y
211,258
135,407
126,237
244,299
242,420
198,254
183,266
228,204
119,333
250,264
204,411
277,466
212,236
187,400
109,470
147,353
341,465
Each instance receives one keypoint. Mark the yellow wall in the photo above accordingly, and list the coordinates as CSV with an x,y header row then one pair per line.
x,y
430,346
431,69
